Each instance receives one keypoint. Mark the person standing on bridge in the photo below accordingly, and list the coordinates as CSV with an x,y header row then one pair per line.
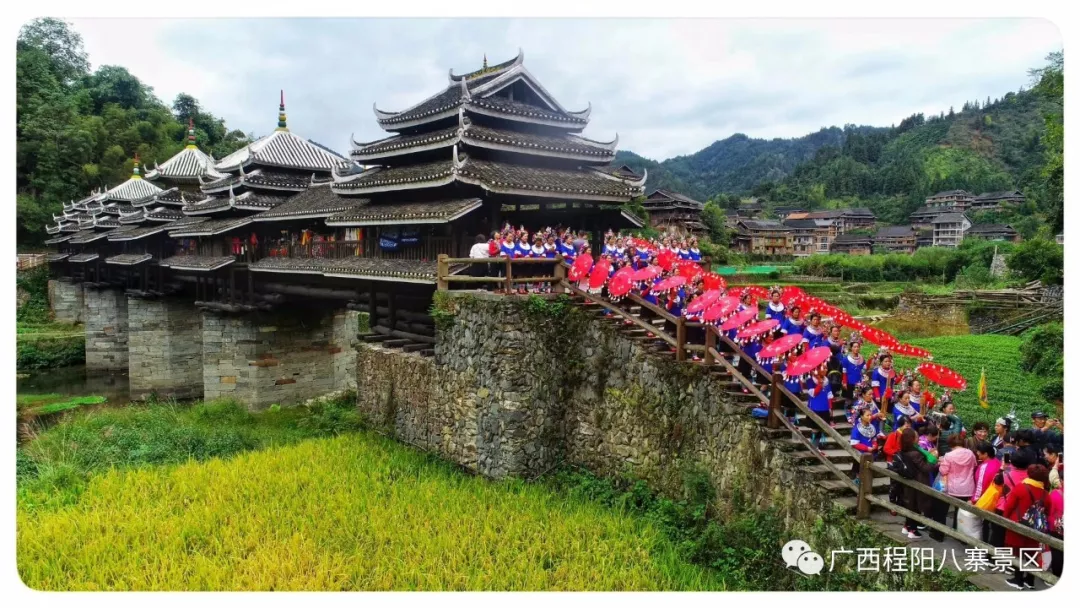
x,y
958,472
820,403
882,381
794,323
814,332
1031,492
854,365
919,502
775,308
866,438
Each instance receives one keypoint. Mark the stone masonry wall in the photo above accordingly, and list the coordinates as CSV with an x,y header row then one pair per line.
x,y
164,349
105,316
66,301
281,358
497,400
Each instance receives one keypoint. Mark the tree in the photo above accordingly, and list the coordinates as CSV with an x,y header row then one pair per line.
x,y
1038,259
1050,86
713,217
60,43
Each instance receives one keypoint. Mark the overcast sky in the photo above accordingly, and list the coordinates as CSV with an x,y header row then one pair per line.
x,y
667,87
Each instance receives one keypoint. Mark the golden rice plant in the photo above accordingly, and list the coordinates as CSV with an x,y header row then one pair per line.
x,y
354,512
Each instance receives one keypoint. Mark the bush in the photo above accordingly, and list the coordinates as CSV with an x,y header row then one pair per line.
x,y
1042,351
1038,259
47,353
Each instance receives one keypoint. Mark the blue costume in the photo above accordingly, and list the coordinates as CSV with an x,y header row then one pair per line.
x,y
507,249
853,369
695,254
675,305
862,438
789,326
899,410
882,382
820,398
815,339
771,312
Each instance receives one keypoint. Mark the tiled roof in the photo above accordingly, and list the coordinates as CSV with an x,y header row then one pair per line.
x,y
61,239
185,166
852,239
926,212
317,201
57,257
129,259
501,105
250,200
764,225
164,214
991,229
171,196
397,144
135,234
90,237
994,196
83,258
352,267
950,193
134,189
261,178
858,212
667,195
565,146
397,177
197,263
539,181
283,149
801,224
891,232
210,227
430,212
949,218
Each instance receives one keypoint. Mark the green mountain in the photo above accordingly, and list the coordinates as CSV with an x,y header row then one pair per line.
x,y
989,145
735,164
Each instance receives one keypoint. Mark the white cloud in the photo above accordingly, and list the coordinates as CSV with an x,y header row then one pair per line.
x,y
668,87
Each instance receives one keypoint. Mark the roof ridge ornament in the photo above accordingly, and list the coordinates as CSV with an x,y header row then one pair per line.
x,y
458,163
281,125
191,132
135,168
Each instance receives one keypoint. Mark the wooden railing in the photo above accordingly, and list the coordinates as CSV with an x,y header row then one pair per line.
x,y
778,399
508,280
26,261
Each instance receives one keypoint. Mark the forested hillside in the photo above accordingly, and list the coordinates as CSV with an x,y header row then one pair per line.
x,y
736,164
988,145
78,130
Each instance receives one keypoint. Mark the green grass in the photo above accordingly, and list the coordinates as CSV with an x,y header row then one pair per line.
x,y
55,467
1008,386
68,404
356,512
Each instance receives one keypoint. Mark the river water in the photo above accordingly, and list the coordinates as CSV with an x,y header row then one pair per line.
x,y
76,381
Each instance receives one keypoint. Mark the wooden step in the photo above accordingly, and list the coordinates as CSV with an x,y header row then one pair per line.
x,y
836,456
415,346
374,338
835,486
397,342
847,503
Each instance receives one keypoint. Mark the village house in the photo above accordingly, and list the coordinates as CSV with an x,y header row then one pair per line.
x,y
924,237
810,236
895,239
949,229
954,200
923,217
993,232
763,237
852,244
994,200
674,213
782,213
856,218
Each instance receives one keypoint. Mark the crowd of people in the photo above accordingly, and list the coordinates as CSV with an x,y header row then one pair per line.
x,y
1009,470
619,249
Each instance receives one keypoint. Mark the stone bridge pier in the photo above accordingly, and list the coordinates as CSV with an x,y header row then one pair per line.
x,y
105,317
278,358
164,348
66,301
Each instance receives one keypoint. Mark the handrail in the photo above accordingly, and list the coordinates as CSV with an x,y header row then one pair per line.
x,y
598,300
666,315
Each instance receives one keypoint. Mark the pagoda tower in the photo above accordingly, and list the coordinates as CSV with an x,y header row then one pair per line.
x,y
493,146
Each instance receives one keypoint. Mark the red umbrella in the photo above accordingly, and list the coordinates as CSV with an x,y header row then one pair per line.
x,y
700,303
739,319
720,311
713,280
669,283
599,275
909,350
942,376
756,331
620,283
856,324
843,318
879,337
808,362
666,259
582,265
642,244
780,347
689,270
647,274
828,310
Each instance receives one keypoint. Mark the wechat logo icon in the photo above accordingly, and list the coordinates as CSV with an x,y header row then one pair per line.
x,y
797,554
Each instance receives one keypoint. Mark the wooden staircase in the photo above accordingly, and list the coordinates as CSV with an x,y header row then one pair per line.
x,y
809,464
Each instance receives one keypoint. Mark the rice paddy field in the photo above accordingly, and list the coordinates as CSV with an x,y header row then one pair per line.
x,y
354,512
1009,388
